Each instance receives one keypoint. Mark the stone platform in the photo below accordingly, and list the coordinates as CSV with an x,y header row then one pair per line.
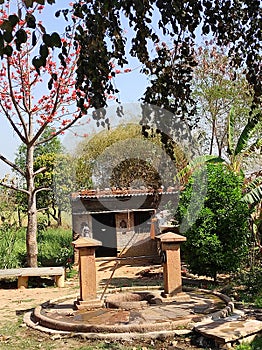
x,y
151,314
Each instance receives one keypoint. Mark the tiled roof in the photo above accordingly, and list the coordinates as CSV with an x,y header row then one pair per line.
x,y
120,193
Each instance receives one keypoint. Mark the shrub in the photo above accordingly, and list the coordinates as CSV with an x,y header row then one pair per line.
x,y
12,249
217,242
55,247
251,280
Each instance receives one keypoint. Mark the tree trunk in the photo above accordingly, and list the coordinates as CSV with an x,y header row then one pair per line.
x,y
31,232
212,135
48,218
19,217
59,217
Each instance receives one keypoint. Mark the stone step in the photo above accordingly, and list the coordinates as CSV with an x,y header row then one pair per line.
x,y
225,332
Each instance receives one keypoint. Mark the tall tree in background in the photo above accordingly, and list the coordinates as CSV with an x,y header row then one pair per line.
x,y
51,157
218,88
28,105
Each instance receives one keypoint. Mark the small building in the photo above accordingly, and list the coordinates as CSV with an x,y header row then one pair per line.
x,y
120,219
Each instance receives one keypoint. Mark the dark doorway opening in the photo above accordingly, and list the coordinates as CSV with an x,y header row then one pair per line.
x,y
142,221
104,230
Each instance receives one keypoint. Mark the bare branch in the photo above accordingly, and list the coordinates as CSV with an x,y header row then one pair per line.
x,y
60,131
22,138
14,100
12,165
12,187
39,189
39,171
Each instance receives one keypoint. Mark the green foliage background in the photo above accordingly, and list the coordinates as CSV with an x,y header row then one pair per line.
x,y
219,239
54,246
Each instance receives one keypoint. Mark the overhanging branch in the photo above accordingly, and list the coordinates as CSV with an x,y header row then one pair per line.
x,y
39,171
39,189
12,165
12,187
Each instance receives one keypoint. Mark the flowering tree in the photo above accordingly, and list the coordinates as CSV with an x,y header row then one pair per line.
x,y
219,87
35,94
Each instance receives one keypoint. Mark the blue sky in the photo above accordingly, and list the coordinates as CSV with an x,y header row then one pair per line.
x,y
131,86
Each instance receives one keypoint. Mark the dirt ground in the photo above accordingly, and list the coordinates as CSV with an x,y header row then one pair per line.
x,y
14,303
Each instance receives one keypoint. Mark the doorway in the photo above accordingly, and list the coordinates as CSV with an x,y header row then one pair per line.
x,y
104,230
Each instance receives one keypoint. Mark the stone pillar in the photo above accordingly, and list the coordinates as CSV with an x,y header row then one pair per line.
x,y
153,228
170,247
87,269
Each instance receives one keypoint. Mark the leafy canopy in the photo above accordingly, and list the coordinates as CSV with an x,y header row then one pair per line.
x,y
162,37
217,242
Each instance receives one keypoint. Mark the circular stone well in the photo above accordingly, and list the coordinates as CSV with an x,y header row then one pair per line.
x,y
137,313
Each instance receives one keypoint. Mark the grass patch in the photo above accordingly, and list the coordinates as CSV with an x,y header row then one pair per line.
x,y
54,247
13,335
71,273
256,344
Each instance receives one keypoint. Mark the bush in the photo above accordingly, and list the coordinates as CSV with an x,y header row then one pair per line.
x,y
217,242
54,246
251,280
12,250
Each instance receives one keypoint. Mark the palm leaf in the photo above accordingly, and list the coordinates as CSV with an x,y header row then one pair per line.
x,y
254,147
246,133
196,163
254,194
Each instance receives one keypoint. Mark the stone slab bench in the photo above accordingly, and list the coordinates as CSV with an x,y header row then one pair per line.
x,y
23,274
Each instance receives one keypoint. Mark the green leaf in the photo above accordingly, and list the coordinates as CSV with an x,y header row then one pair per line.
x,y
254,196
247,132
21,36
13,19
8,37
38,62
28,3
40,2
43,51
50,84
30,20
34,39
47,40
56,41
8,50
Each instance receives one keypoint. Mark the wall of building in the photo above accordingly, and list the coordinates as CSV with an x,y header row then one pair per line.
x,y
132,233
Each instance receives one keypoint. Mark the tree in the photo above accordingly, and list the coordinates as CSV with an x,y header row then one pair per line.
x,y
243,145
219,87
44,157
124,158
101,34
51,157
170,64
29,106
58,176
218,240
